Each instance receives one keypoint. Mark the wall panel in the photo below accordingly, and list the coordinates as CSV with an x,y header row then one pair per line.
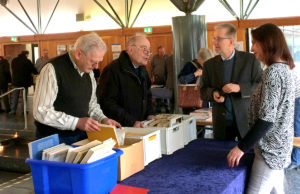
x,y
161,35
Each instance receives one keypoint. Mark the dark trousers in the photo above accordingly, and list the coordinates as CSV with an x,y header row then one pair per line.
x,y
15,100
4,104
65,136
231,131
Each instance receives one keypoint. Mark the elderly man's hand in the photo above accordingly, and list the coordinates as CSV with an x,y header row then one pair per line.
x,y
230,88
87,124
108,121
138,124
218,98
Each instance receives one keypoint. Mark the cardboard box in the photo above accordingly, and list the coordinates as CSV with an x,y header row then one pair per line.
x,y
151,140
132,160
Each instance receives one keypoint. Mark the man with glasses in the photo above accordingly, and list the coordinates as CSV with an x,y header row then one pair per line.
x,y
65,99
124,87
229,80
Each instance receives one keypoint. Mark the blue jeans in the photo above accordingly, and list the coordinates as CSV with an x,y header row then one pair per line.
x,y
296,150
15,100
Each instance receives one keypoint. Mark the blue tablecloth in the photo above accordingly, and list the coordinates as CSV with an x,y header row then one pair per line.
x,y
200,167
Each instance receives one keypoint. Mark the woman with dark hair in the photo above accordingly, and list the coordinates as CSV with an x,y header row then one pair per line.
x,y
271,113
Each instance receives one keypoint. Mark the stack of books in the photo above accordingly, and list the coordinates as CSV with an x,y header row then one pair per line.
x,y
48,148
94,150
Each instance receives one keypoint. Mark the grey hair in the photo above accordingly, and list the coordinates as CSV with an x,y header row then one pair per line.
x,y
132,39
89,42
231,30
205,54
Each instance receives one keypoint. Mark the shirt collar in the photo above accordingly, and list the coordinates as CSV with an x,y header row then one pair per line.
x,y
135,66
229,57
74,64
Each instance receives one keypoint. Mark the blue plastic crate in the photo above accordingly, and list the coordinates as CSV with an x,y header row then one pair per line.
x,y
59,177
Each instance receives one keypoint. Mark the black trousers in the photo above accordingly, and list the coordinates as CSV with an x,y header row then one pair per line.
x,y
231,131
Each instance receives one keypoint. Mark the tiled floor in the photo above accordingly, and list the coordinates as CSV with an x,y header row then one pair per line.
x,y
7,176
17,121
15,152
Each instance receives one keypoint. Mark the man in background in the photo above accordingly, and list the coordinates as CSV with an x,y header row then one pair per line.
x,y
228,81
65,99
159,74
40,62
5,78
124,88
22,70
158,67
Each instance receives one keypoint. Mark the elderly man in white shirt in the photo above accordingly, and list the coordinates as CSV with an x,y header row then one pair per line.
x,y
64,100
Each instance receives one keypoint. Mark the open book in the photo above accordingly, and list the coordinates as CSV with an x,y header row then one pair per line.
x,y
106,132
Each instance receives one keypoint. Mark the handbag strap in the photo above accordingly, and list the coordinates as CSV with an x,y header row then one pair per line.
x,y
198,79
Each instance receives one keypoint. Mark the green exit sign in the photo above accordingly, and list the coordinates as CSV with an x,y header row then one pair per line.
x,y
148,30
14,39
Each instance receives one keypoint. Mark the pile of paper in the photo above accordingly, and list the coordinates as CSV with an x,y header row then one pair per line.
x,y
165,120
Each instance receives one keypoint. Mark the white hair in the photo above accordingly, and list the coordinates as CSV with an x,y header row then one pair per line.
x,y
132,40
89,42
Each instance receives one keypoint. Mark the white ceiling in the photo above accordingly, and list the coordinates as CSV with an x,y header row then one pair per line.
x,y
154,13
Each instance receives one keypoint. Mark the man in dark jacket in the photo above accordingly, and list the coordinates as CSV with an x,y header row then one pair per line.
x,y
229,80
124,88
22,70
5,78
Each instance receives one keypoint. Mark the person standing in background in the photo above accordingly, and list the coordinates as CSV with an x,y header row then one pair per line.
x,y
159,73
271,114
41,62
158,69
5,78
170,81
228,81
192,71
22,70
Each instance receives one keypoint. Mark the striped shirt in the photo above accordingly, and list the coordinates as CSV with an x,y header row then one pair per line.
x,y
45,95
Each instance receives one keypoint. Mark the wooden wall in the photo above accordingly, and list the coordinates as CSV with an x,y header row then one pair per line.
x,y
161,35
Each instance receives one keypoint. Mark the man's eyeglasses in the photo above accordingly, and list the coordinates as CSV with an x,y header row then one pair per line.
x,y
218,38
144,49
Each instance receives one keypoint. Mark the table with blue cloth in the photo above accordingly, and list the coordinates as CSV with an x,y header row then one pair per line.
x,y
200,167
